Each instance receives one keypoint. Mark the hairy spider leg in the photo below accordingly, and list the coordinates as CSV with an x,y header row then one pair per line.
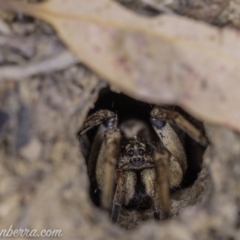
x,y
177,162
126,183
106,165
168,137
107,120
106,117
164,114
175,165
161,199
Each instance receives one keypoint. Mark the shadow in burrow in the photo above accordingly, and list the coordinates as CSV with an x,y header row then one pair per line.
x,y
127,108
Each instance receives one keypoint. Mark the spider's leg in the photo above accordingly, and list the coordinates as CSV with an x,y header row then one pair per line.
x,y
118,197
108,118
161,199
153,188
106,165
175,165
168,136
126,184
166,115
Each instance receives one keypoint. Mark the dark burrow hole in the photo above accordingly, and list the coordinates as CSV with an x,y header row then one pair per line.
x,y
128,108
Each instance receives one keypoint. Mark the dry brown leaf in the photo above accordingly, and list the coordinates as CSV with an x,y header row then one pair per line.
x,y
167,59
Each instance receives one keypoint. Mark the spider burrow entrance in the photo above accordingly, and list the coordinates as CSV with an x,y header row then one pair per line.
x,y
128,156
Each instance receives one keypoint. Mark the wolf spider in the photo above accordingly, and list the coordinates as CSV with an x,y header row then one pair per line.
x,y
129,169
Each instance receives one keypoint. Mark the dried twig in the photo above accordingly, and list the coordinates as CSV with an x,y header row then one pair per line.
x,y
57,63
4,28
206,10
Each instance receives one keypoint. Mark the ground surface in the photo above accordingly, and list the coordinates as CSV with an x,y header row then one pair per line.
x,y
43,180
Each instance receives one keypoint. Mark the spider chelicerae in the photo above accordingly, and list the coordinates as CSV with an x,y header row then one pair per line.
x,y
129,169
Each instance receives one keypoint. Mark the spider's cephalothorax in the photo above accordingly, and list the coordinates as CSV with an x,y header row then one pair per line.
x,y
136,154
135,159
128,169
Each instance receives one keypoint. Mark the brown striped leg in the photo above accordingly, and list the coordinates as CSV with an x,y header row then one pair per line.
x,y
162,196
107,120
118,196
168,137
106,117
106,165
166,115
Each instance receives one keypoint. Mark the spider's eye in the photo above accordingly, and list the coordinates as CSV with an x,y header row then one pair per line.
x,y
141,152
130,153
